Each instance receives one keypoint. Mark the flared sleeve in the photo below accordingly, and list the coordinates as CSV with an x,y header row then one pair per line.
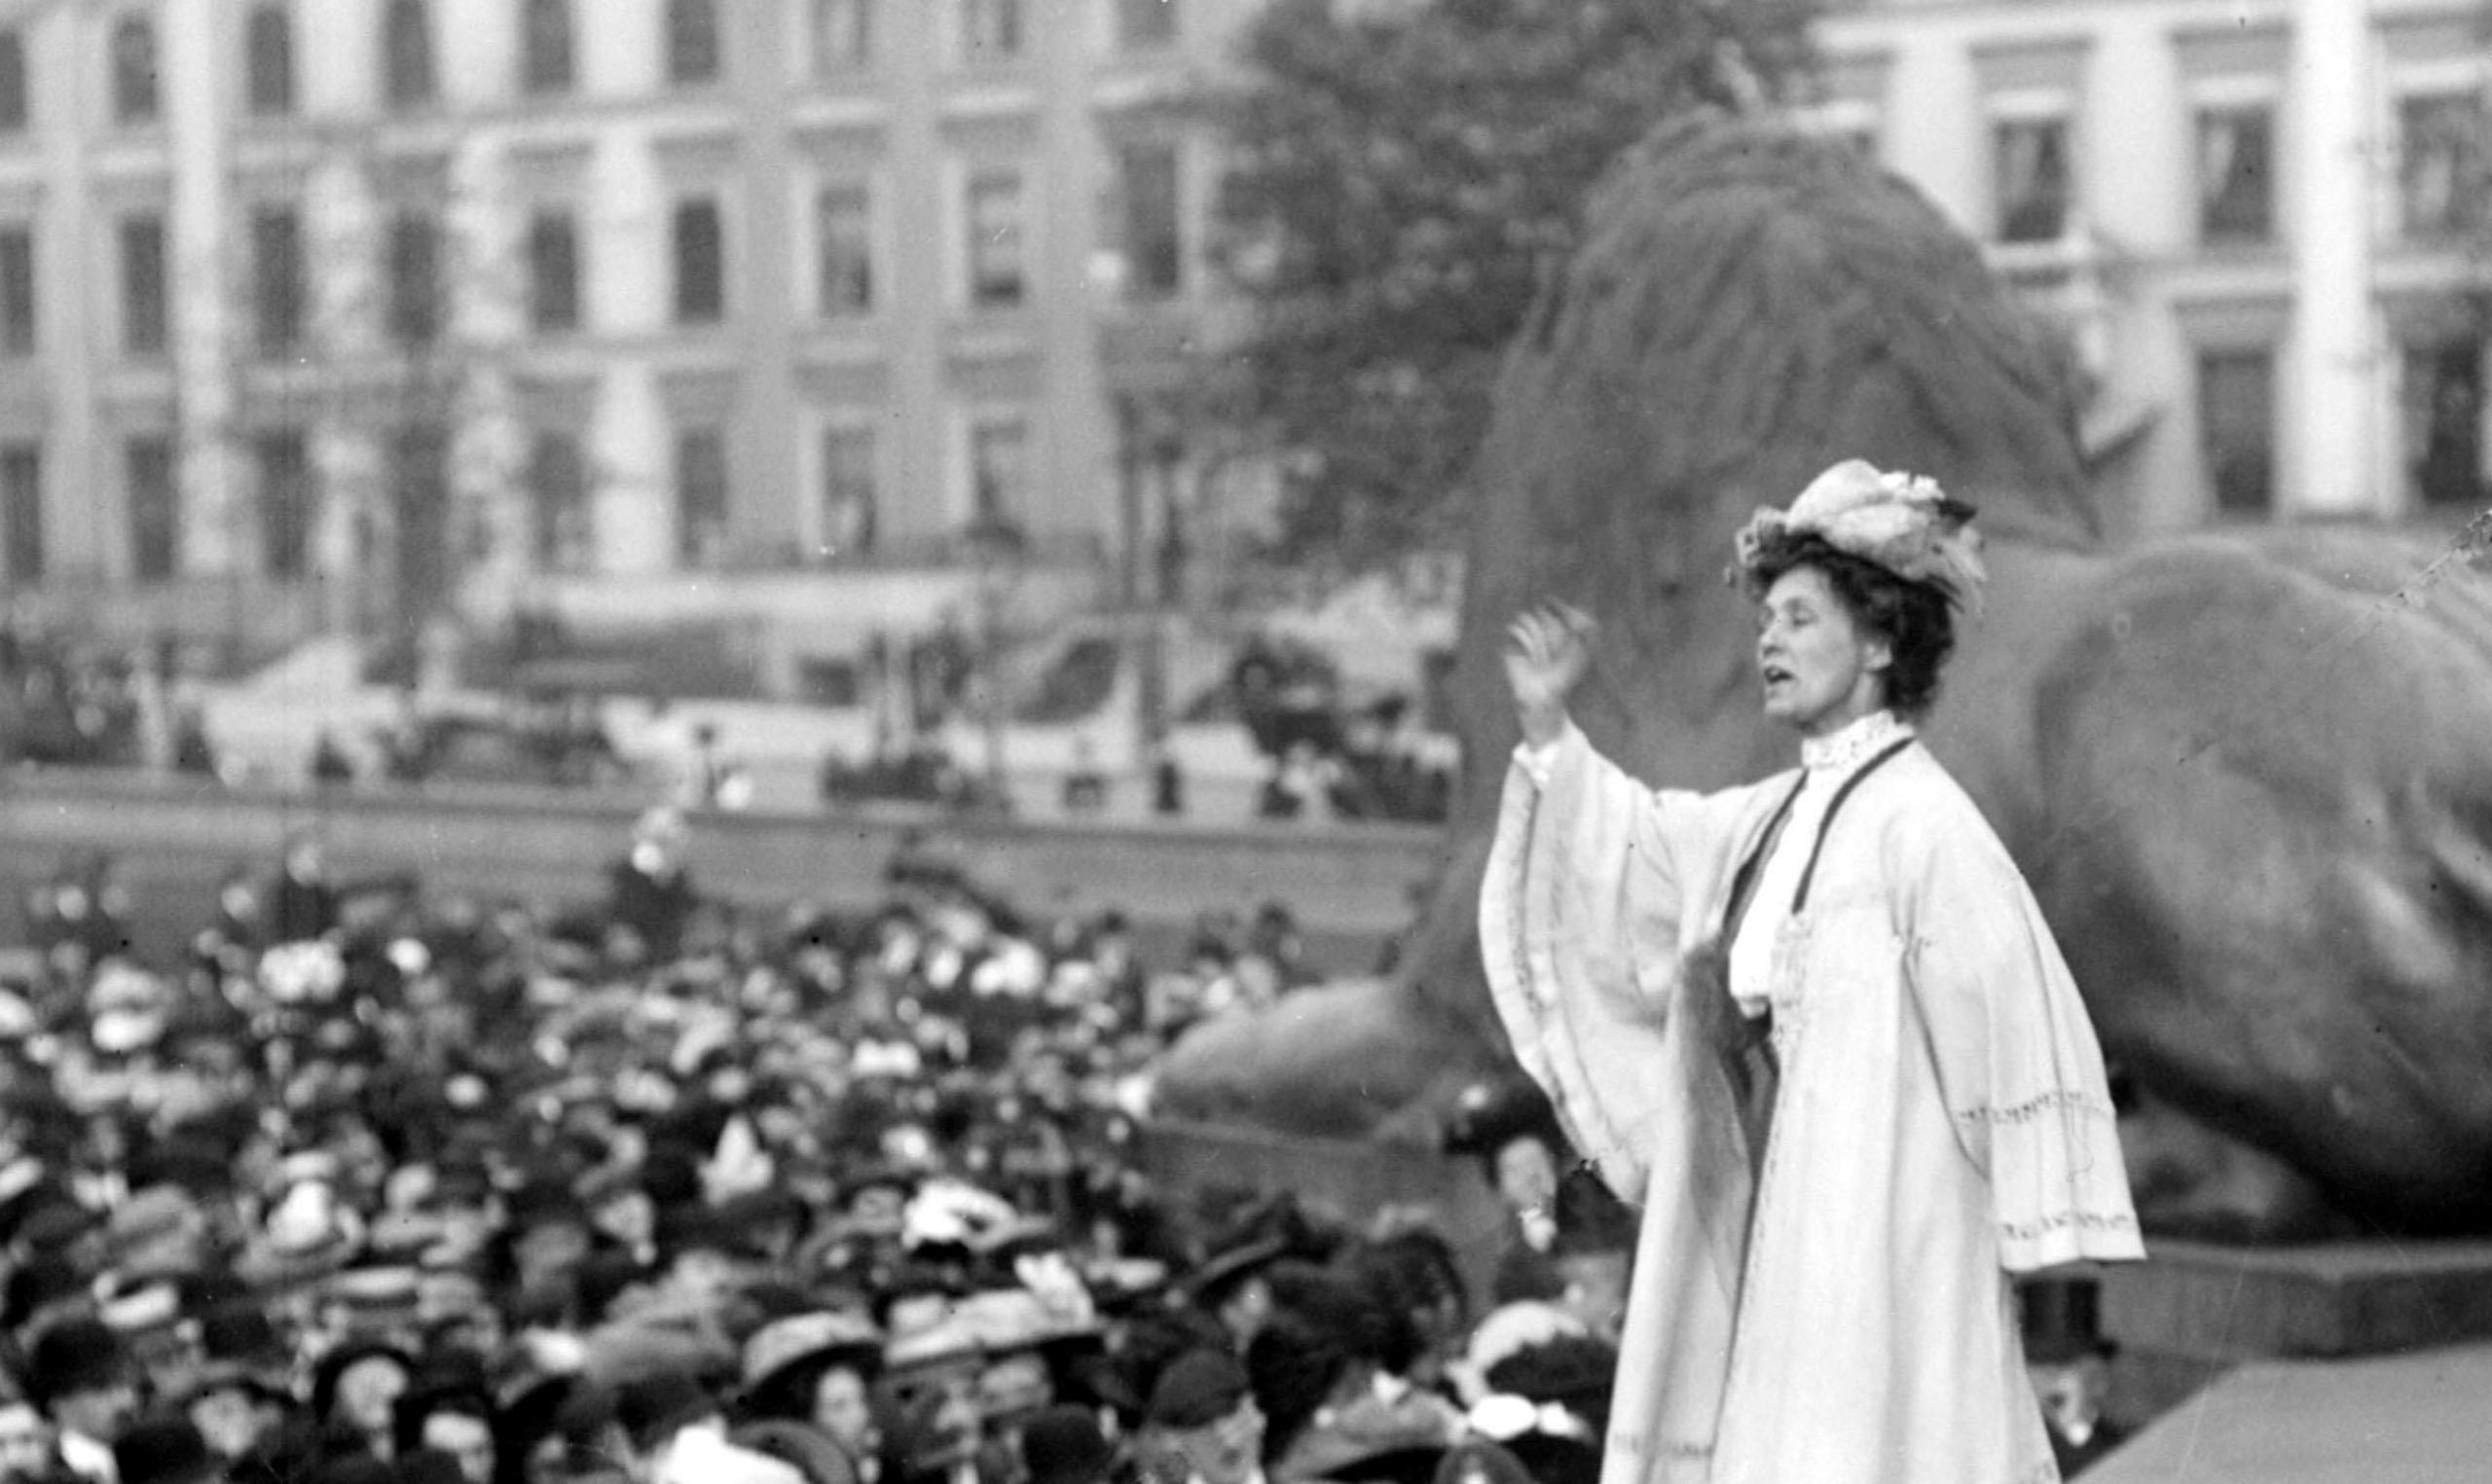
x,y
2016,1055
1588,878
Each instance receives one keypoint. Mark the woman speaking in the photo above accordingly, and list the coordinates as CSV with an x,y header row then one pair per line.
x,y
1815,1027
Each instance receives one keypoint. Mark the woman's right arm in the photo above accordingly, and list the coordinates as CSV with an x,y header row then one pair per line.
x,y
1550,650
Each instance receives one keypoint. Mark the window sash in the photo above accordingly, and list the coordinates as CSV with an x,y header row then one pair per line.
x,y
843,36
2032,177
415,280
1151,230
2236,174
694,48
285,501
15,108
700,264
2237,428
844,218
22,510
553,272
268,83
155,508
701,496
276,285
996,270
560,515
409,76
134,93
17,291
547,61
144,307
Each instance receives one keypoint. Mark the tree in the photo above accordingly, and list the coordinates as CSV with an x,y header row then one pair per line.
x,y
1402,176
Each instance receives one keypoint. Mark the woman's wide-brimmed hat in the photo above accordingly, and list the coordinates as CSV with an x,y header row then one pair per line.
x,y
1903,522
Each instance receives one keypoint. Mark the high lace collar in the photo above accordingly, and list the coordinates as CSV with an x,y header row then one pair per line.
x,y
1856,744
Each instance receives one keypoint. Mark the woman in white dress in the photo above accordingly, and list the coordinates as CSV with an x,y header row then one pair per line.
x,y
1817,1028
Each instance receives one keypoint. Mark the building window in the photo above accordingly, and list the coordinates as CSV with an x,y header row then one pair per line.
x,y
155,508
2440,163
999,470
408,78
1145,25
1153,249
17,291
545,48
2443,418
700,264
843,216
419,517
145,323
849,504
134,64
269,61
701,496
2237,429
991,30
415,280
2236,174
692,42
277,278
559,515
843,36
553,272
21,498
2033,178
282,461
996,263
15,109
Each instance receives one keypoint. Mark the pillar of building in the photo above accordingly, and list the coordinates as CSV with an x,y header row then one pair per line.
x,y
215,516
2334,353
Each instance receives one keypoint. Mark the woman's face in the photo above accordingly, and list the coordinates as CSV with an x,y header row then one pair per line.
x,y
841,1409
367,1393
1823,669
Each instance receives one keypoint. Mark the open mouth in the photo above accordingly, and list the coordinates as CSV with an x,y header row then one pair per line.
x,y
1773,674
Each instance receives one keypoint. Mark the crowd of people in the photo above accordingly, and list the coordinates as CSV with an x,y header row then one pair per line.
x,y
373,1183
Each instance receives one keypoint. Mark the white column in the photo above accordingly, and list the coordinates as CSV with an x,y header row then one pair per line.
x,y
2334,355
217,533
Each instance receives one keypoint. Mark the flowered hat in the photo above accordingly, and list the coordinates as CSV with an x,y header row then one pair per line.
x,y
1903,522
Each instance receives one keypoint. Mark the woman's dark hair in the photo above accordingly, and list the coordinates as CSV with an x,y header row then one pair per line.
x,y
1913,617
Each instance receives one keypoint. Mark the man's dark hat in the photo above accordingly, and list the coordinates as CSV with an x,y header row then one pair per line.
x,y
1574,1372
1480,1462
1488,1116
1198,1388
808,1450
652,1407
166,1449
75,1355
1063,1444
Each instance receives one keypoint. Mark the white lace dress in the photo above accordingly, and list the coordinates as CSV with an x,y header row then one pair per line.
x,y
1846,1316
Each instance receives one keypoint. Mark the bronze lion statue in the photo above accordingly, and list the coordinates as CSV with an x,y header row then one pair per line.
x,y
2249,772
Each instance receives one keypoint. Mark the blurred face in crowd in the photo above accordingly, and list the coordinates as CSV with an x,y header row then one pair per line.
x,y
368,1392
628,1216
1595,1290
233,1419
25,1444
465,1438
97,1412
1526,1175
1013,1387
547,1249
1225,1450
843,1409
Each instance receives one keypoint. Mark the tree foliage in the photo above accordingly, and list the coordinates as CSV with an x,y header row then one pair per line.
x,y
1402,176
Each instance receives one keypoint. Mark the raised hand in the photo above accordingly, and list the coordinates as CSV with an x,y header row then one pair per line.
x,y
1548,650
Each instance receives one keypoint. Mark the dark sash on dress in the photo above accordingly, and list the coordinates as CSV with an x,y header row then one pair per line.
x,y
1743,1043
